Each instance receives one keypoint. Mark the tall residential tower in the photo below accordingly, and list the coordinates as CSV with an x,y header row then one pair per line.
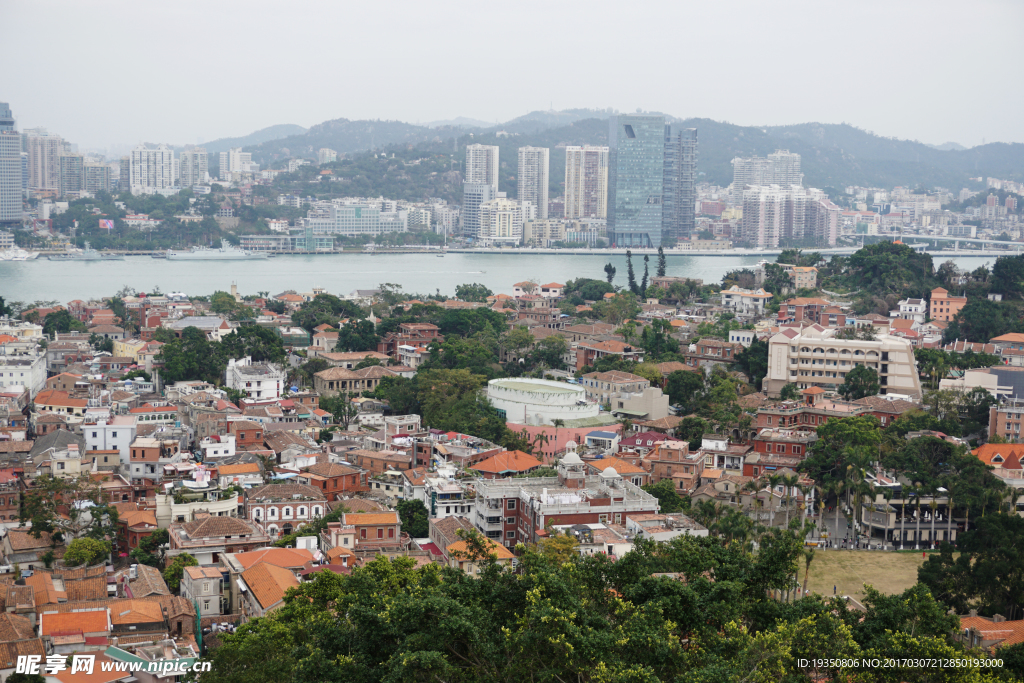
x,y
533,178
586,182
10,169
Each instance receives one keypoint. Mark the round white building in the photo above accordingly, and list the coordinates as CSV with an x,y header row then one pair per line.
x,y
539,401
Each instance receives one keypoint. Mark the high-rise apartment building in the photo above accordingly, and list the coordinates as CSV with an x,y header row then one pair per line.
x,y
473,196
124,174
11,176
97,177
781,168
193,167
72,174
44,152
235,161
482,165
151,168
651,174
501,222
586,182
680,193
772,214
533,178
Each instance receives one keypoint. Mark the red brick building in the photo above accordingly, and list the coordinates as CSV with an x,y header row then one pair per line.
x,y
375,530
336,481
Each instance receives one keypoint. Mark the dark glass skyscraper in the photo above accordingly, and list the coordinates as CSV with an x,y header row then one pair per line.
x,y
651,176
636,180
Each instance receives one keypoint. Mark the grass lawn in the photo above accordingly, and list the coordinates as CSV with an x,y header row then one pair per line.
x,y
849,570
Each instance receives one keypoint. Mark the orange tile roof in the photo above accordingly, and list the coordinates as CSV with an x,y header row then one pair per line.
x,y
268,583
1008,632
94,621
1011,337
357,518
279,557
621,466
501,551
139,518
996,454
508,461
135,612
240,468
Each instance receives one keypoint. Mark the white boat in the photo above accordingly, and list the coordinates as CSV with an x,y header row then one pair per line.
x,y
18,254
227,252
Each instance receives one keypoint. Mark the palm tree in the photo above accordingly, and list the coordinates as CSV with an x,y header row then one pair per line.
x,y
789,481
887,494
808,557
837,488
918,490
773,481
903,512
750,488
934,505
949,519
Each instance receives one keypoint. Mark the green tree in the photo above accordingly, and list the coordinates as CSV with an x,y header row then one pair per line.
x,y
1008,276
662,262
630,274
414,516
789,392
472,292
753,360
262,344
644,279
861,381
609,272
68,508
61,321
668,499
684,387
151,549
357,335
222,302
176,569
86,551
191,357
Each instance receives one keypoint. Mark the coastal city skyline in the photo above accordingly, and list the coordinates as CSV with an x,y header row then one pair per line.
x,y
462,342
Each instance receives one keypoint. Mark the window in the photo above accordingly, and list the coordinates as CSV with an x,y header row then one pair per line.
x,y
511,505
510,534
206,586
391,532
206,605
510,520
362,533
380,533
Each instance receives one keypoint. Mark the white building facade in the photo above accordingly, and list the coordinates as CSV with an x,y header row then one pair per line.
x,y
533,178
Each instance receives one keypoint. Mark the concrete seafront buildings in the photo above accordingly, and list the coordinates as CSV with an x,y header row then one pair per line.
x,y
586,182
772,213
11,180
533,178
193,167
44,151
236,161
480,185
813,357
780,168
151,168
651,174
482,165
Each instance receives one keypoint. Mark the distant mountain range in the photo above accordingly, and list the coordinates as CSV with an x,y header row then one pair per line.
x,y
834,155
269,133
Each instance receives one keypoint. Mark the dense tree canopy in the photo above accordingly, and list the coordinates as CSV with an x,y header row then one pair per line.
x,y
562,617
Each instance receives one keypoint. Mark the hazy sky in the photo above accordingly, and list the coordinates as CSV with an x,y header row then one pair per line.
x,y
108,72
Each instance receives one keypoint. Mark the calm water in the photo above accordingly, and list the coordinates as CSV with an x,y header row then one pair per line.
x,y
341,274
